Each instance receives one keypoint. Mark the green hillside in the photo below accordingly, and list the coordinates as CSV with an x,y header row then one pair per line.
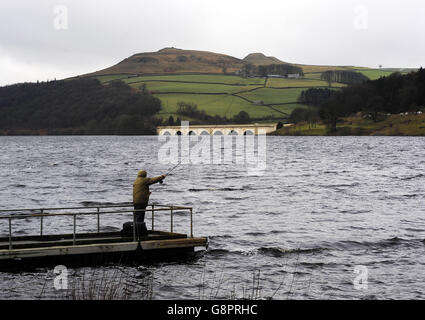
x,y
211,81
259,59
222,95
227,95
173,60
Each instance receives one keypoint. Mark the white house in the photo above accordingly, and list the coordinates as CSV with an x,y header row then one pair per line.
x,y
294,76
275,76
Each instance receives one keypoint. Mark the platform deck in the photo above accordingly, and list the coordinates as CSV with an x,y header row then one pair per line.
x,y
28,249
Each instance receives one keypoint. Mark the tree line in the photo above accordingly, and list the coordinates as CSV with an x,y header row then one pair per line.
x,y
393,94
275,69
80,106
343,76
315,96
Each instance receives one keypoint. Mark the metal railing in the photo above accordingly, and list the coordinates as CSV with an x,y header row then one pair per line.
x,y
42,212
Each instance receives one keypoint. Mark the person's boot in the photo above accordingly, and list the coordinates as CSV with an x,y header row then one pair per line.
x,y
141,227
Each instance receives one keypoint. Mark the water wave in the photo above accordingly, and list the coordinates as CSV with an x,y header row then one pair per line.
x,y
279,252
342,185
412,177
215,189
19,185
255,234
100,203
379,244
224,236
330,246
236,198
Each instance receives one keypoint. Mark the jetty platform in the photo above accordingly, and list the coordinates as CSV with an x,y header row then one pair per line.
x,y
92,247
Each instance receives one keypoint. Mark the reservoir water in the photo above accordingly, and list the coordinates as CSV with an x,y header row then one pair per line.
x,y
326,212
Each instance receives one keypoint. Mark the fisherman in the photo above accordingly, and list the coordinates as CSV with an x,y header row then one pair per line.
x,y
141,195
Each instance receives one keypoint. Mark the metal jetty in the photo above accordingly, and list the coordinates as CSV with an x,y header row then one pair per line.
x,y
92,247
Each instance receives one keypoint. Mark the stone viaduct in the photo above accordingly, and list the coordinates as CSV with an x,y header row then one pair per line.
x,y
231,129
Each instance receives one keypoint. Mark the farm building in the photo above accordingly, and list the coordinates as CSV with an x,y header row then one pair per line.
x,y
275,76
294,76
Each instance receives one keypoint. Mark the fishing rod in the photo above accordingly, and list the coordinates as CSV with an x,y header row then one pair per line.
x,y
172,169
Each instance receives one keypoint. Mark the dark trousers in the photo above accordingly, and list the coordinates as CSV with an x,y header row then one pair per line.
x,y
140,216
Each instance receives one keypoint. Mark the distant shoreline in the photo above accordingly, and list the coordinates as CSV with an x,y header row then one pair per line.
x,y
393,125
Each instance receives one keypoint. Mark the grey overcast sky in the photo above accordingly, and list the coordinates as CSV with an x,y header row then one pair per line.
x,y
44,39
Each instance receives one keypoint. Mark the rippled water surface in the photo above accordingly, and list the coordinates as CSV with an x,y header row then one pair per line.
x,y
323,206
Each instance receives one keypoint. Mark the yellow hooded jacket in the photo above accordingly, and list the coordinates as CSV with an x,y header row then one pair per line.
x,y
141,187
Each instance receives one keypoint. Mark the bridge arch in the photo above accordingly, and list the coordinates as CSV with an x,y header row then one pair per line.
x,y
248,133
218,133
178,133
165,133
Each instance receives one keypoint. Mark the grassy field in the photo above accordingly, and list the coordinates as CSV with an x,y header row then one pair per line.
x,y
227,95
273,96
222,105
312,76
104,79
312,68
159,86
373,74
394,125
206,78
222,95
306,83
